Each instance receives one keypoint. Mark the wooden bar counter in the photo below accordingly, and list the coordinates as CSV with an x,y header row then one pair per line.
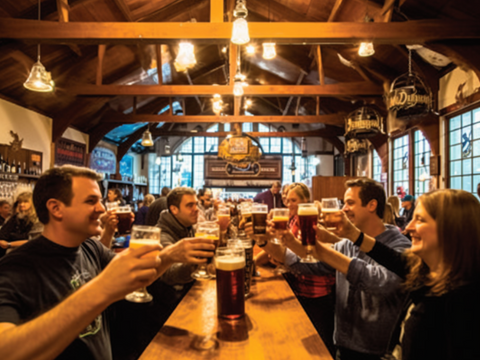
x,y
275,326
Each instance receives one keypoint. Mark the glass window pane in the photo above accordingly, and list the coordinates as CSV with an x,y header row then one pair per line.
x,y
455,152
476,165
455,137
466,119
476,131
467,183
247,127
455,168
455,122
467,166
199,145
476,115
187,146
456,182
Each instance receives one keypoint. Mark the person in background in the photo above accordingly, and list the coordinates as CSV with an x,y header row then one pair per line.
x,y
15,232
394,201
115,195
5,210
55,289
408,206
271,197
141,215
388,216
441,272
369,300
157,207
206,211
284,193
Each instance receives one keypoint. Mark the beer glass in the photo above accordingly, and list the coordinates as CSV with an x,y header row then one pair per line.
x,y
141,236
247,246
223,216
259,216
280,222
308,217
330,206
124,219
206,230
230,269
111,205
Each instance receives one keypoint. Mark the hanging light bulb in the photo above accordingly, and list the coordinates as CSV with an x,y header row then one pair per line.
x,y
237,88
217,105
248,103
39,79
186,57
179,158
147,138
158,160
240,26
269,51
366,49
250,49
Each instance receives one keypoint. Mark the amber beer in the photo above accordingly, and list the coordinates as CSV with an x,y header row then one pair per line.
x,y
223,216
230,269
280,219
125,220
259,217
308,216
331,219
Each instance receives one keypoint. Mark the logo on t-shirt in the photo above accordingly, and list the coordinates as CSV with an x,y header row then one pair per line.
x,y
79,279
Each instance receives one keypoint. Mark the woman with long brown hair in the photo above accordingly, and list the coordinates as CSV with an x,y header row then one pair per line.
x,y
441,272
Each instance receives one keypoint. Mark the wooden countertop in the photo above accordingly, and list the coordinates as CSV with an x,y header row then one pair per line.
x,y
275,327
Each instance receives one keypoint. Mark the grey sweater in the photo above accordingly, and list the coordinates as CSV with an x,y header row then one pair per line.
x,y
368,299
171,232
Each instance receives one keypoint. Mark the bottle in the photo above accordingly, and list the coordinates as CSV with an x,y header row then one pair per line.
x,y
25,171
13,167
19,168
2,165
6,167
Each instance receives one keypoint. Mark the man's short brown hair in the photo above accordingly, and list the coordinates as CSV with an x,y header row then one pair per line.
x,y
175,196
56,183
370,190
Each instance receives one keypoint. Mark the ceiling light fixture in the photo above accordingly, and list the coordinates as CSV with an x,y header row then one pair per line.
x,y
39,79
217,105
186,57
366,49
250,49
147,140
269,51
240,26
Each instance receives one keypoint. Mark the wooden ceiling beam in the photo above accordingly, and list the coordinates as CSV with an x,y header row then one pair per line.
x,y
63,16
329,90
287,134
335,9
216,11
118,118
408,32
124,9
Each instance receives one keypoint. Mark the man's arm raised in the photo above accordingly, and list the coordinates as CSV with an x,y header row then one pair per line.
x,y
49,334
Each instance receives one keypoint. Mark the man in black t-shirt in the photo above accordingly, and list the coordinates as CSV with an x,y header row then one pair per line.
x,y
54,289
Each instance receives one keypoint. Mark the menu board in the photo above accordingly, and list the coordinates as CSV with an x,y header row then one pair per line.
x,y
103,160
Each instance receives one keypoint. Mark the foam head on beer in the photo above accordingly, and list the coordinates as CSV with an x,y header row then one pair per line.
x,y
230,262
307,211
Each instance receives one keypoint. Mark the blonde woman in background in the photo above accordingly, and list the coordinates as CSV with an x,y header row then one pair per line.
x,y
142,212
394,201
15,231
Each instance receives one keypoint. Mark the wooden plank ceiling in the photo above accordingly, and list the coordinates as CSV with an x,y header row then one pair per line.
x,y
103,56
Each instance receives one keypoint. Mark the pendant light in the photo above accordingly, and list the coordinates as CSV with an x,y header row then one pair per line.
x,y
240,26
239,79
366,49
39,80
147,140
269,51
167,147
186,57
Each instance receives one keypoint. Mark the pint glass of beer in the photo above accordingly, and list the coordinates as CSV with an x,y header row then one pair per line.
x,y
125,220
308,217
280,223
230,268
141,236
330,207
247,246
223,215
259,216
206,230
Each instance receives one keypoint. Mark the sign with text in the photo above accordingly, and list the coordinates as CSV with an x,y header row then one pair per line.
x,y
103,160
263,169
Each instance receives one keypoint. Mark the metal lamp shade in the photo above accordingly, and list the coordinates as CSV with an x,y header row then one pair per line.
x,y
269,51
363,123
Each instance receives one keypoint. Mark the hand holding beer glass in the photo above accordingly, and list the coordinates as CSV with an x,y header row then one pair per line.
x,y
230,268
330,208
143,235
206,230
124,215
308,217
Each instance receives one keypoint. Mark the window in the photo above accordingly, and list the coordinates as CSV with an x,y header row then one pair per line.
x,y
422,164
400,164
464,150
153,174
377,167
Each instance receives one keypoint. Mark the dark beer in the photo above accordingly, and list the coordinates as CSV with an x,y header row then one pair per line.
x,y
125,222
230,286
308,219
280,222
259,223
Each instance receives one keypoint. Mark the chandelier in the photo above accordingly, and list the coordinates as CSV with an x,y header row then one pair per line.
x,y
186,57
